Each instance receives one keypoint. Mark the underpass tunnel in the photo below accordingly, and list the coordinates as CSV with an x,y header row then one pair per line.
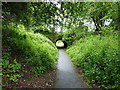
x,y
61,44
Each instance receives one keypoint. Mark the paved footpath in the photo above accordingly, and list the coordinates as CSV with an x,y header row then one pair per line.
x,y
66,74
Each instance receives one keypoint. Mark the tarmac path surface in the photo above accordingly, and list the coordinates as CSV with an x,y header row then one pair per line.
x,y
66,77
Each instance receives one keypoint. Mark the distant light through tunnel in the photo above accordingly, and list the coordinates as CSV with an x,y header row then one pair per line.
x,y
59,43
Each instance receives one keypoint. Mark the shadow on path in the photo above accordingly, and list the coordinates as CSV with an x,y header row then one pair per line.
x,y
66,74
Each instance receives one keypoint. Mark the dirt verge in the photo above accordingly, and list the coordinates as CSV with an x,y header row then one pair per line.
x,y
32,81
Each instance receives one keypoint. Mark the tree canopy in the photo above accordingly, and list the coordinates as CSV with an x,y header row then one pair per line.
x,y
48,14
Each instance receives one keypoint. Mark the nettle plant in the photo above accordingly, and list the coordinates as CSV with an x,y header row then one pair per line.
x,y
10,67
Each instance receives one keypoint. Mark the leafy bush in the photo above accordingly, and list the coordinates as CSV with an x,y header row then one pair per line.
x,y
98,57
36,49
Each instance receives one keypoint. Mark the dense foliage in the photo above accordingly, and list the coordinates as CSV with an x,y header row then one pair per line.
x,y
47,15
34,15
35,49
94,50
98,57
97,12
22,24
74,33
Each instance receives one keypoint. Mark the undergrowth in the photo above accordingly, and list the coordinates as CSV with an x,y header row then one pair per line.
x,y
34,49
98,57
